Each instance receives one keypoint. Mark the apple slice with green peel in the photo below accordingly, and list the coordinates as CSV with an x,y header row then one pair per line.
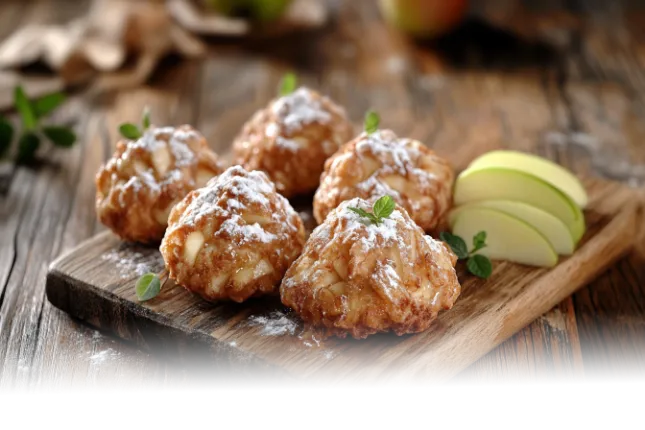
x,y
507,238
546,170
495,183
546,224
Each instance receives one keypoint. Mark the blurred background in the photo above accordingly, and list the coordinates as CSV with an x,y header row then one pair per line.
x,y
580,60
561,78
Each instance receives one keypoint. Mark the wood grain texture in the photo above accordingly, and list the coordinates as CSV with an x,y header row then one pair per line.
x,y
95,282
573,76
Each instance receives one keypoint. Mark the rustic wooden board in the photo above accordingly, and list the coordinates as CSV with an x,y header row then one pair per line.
x,y
95,282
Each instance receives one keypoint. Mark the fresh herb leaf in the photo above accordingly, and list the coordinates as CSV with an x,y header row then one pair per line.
x,y
27,147
146,118
381,209
25,109
130,131
384,207
456,243
6,136
288,84
148,286
60,136
479,265
372,121
360,212
479,242
365,214
45,105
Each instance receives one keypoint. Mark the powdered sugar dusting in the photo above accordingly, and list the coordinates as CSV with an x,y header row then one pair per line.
x,y
385,145
288,144
382,234
103,356
132,263
275,323
237,228
235,181
300,108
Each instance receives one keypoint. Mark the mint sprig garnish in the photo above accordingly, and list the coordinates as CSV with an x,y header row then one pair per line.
x,y
372,121
477,264
32,132
132,131
149,285
381,210
288,84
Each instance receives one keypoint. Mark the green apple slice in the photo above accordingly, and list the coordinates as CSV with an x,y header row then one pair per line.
x,y
507,237
548,171
494,183
546,224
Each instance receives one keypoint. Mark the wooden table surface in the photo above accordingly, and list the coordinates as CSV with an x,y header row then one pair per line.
x,y
571,88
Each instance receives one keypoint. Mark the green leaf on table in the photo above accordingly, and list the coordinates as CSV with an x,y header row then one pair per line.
x,y
148,286
27,147
479,265
146,118
372,121
45,105
6,136
455,243
25,109
479,242
130,131
60,136
384,207
288,84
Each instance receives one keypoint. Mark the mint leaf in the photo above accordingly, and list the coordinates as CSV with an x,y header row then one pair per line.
x,y
27,147
479,242
6,136
365,214
148,287
60,136
384,207
479,265
25,109
456,243
372,121
45,105
146,118
130,131
288,84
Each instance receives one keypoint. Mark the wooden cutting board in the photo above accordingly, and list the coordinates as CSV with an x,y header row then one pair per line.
x,y
95,282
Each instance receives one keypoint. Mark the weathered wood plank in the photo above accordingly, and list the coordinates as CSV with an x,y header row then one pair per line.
x,y
96,281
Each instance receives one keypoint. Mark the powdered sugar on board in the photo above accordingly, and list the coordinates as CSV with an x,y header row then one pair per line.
x,y
300,108
275,323
132,261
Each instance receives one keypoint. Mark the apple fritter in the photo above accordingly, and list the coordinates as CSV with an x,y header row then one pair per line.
x,y
145,178
377,164
356,277
233,239
291,139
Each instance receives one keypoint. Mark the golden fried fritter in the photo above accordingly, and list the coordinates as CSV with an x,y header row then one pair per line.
x,y
359,278
233,239
291,139
382,164
144,179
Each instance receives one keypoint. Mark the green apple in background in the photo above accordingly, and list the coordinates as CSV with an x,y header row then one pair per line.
x,y
507,238
546,224
258,10
494,183
546,170
424,18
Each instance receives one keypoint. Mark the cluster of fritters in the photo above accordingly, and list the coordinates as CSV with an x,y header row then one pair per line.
x,y
231,234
